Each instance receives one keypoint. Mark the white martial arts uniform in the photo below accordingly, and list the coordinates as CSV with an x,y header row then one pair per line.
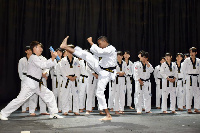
x,y
33,101
92,84
111,94
120,87
22,70
143,93
129,75
83,83
70,88
105,67
59,85
180,88
31,86
191,73
158,80
168,71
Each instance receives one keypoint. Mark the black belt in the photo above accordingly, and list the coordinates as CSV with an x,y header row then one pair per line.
x,y
38,80
160,83
24,73
109,69
84,76
54,75
145,80
180,78
171,77
174,84
193,74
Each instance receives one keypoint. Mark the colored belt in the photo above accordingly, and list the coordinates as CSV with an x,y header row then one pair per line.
x,y
109,69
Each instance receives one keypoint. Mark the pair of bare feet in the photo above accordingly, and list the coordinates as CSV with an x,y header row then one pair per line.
x,y
34,114
195,110
173,112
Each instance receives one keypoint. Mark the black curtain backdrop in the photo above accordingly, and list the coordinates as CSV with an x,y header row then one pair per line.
x,y
156,26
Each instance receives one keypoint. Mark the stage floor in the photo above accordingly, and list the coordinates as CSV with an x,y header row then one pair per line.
x,y
128,122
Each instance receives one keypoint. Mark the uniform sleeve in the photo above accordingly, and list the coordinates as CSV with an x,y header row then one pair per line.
x,y
176,72
44,64
183,68
63,70
101,52
20,68
150,69
155,74
162,71
136,72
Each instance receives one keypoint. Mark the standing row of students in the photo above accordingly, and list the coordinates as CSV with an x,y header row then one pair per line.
x,y
80,76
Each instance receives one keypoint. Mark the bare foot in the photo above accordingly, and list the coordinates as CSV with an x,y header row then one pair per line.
x,y
35,109
131,107
23,111
111,109
65,113
27,109
107,118
87,113
76,113
184,107
102,113
139,112
149,112
44,114
91,111
70,111
117,113
197,111
179,109
143,109
64,43
158,108
189,111
121,112
81,110
165,112
173,112
32,114
60,111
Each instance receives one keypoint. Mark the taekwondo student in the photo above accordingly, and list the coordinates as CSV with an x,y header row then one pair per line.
x,y
33,100
32,84
133,69
129,78
106,67
92,85
142,72
22,70
186,55
83,83
70,70
191,70
168,71
120,87
179,84
158,80
54,77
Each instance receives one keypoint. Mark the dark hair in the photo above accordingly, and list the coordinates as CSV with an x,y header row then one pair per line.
x,y
27,48
127,52
35,43
168,54
120,53
180,55
141,51
187,54
103,38
59,49
145,54
193,49
162,58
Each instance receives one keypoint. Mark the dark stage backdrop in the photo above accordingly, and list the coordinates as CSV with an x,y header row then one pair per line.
x,y
156,26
